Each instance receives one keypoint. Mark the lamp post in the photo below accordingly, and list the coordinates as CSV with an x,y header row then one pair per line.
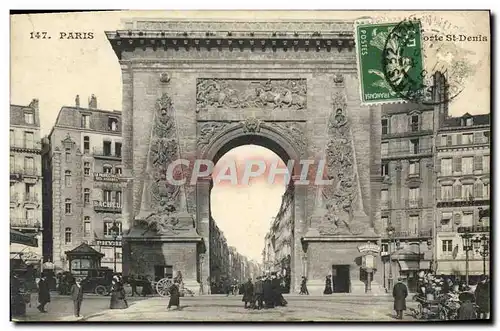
x,y
390,232
115,230
481,246
467,245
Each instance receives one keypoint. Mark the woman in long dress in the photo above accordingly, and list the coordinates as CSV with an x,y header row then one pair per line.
x,y
328,285
174,295
118,296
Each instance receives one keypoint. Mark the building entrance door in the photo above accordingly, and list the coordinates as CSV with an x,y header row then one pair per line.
x,y
341,279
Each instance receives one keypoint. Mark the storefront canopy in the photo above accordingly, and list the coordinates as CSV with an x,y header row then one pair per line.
x,y
17,237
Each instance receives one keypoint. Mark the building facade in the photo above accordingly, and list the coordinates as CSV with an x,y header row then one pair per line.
x,y
82,169
26,181
462,192
219,254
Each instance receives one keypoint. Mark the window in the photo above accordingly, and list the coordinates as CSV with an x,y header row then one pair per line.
x,y
86,145
384,195
109,224
106,146
486,136
12,162
467,191
414,123
112,124
118,170
118,149
107,169
446,167
447,246
86,226
67,206
86,121
29,117
68,156
467,219
86,196
30,214
29,165
469,121
486,190
414,167
67,236
467,165
385,223
29,140
413,224
486,163
118,197
385,169
414,146
414,193
86,168
384,148
385,126
444,140
29,190
384,248
478,163
447,192
467,138
107,196
446,224
67,178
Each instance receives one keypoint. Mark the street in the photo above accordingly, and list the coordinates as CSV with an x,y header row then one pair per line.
x,y
342,307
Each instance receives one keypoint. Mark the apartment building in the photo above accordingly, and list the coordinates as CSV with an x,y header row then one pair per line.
x,y
219,254
463,192
26,183
82,169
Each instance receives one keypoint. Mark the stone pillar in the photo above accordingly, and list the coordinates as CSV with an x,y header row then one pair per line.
x,y
203,187
300,224
128,144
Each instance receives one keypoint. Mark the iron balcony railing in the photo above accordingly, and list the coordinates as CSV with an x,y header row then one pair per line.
x,y
25,171
31,197
395,152
105,152
414,203
25,144
26,223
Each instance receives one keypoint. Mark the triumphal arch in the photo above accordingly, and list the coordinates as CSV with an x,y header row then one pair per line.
x,y
196,89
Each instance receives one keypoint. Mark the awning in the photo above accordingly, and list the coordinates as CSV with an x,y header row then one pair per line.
x,y
17,237
408,265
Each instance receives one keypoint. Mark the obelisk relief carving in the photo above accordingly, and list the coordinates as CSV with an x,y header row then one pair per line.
x,y
339,206
163,204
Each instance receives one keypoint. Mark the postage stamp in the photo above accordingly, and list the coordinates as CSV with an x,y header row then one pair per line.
x,y
389,58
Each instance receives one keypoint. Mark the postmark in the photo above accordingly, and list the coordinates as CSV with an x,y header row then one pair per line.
x,y
382,66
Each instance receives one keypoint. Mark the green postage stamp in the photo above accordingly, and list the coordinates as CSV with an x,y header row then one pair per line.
x,y
389,57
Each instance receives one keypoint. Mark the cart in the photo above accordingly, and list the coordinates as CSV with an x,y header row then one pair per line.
x,y
163,288
430,309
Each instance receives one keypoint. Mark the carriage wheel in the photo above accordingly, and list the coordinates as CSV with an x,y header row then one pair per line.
x,y
101,290
163,287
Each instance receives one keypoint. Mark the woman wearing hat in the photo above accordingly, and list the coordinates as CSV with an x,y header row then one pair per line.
x,y
118,297
482,295
174,294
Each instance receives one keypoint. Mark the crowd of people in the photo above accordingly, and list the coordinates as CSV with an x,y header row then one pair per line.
x,y
265,293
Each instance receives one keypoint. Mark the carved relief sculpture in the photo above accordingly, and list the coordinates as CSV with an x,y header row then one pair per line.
x,y
270,94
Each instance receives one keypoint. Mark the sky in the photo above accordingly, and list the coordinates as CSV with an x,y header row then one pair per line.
x,y
55,71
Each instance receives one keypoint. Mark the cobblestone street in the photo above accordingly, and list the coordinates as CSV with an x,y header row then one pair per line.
x,y
222,308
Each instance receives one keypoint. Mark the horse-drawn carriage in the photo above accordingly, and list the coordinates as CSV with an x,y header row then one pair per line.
x,y
163,287
444,307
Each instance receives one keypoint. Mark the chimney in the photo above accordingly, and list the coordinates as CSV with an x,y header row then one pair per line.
x,y
34,104
77,101
93,102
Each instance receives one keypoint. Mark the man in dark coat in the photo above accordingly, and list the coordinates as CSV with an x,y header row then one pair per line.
x,y
400,292
258,294
466,312
303,286
268,293
77,296
43,294
175,295
482,295
133,284
248,293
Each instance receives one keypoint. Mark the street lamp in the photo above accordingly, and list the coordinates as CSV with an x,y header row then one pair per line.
x,y
481,246
467,245
390,232
115,231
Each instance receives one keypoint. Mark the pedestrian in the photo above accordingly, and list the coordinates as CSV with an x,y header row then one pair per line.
x,y
466,312
248,293
118,296
268,292
303,286
77,296
400,292
133,284
43,293
147,289
174,295
258,293
328,285
482,295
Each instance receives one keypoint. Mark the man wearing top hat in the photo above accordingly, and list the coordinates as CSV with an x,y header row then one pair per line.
x,y
399,293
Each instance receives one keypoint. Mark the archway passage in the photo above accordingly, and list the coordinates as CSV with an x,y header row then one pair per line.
x,y
241,215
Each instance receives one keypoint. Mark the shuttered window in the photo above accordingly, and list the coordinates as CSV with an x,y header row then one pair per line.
x,y
478,137
457,191
457,164
478,162
459,139
449,140
478,189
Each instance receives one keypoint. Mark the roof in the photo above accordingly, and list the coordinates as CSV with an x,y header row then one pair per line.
x,y
83,249
481,119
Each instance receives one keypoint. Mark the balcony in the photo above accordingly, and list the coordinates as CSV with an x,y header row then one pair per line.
x,y
25,223
107,206
106,177
18,172
385,205
31,198
473,229
413,203
406,152
106,153
412,234
26,145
